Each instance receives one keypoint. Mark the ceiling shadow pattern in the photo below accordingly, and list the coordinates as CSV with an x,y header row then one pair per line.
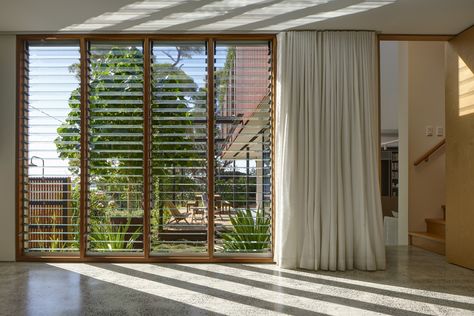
x,y
209,21
200,16
279,13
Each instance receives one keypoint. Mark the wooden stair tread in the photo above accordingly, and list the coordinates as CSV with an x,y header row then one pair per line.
x,y
436,220
429,236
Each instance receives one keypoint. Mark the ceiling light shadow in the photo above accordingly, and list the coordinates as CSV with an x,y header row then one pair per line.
x,y
135,13
222,15
312,18
218,9
280,13
181,6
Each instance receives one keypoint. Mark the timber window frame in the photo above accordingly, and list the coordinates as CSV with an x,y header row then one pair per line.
x,y
84,42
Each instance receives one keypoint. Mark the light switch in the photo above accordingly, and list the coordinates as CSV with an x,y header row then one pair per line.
x,y
439,131
429,130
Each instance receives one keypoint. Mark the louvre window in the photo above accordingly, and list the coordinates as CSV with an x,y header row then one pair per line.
x,y
115,143
179,148
242,186
145,148
50,141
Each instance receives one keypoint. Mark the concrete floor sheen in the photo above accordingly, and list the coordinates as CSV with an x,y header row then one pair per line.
x,y
416,282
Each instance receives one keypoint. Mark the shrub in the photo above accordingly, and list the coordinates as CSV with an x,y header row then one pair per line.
x,y
105,236
248,234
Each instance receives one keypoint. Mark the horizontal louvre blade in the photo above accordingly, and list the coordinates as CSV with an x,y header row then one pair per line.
x,y
115,141
179,148
243,145
52,148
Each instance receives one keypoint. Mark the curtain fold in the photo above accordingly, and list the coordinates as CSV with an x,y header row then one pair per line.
x,y
328,197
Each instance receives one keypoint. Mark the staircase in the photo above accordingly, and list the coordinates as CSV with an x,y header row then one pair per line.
x,y
434,238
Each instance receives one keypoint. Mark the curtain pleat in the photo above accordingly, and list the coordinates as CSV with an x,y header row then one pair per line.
x,y
328,197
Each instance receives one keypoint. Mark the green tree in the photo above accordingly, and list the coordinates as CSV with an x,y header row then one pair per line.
x,y
115,153
108,72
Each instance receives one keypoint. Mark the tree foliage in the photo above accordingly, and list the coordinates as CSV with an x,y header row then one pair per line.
x,y
116,154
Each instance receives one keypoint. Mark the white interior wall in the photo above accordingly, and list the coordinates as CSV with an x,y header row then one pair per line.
x,y
394,116
403,144
389,89
7,147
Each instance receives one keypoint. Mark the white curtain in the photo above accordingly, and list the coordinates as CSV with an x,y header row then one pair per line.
x,y
328,197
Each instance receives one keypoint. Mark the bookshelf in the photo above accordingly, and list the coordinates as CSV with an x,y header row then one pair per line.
x,y
389,171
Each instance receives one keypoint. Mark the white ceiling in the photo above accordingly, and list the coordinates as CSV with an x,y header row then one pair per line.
x,y
235,16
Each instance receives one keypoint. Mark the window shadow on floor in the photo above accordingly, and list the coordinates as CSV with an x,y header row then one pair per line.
x,y
249,299
41,289
350,286
344,301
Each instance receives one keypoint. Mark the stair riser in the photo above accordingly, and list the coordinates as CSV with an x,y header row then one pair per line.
x,y
436,228
430,245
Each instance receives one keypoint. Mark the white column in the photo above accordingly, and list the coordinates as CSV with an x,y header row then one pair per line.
x,y
403,180
7,147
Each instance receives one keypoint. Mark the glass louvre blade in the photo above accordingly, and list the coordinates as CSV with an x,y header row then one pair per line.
x,y
243,145
179,149
51,138
115,143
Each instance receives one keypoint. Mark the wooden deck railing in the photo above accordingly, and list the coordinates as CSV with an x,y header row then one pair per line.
x,y
426,156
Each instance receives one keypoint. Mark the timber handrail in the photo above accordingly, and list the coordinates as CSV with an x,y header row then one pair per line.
x,y
427,154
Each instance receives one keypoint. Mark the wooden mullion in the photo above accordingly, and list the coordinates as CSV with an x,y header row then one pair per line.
x,y
84,152
210,146
147,132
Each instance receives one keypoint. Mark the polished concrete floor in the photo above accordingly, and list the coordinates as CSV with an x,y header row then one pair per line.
x,y
416,282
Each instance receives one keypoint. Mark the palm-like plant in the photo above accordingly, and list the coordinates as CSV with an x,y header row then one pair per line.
x,y
113,237
249,234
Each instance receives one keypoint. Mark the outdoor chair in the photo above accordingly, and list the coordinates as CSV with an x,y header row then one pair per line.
x,y
199,210
220,207
193,203
177,216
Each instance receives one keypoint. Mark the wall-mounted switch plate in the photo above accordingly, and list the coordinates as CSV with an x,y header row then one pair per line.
x,y
429,130
439,131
